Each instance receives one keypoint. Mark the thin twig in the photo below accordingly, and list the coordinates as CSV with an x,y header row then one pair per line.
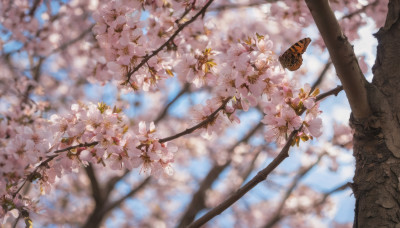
x,y
68,43
325,196
321,76
36,72
187,10
103,206
361,10
16,221
339,188
98,214
76,146
334,91
250,168
123,198
314,205
204,123
235,6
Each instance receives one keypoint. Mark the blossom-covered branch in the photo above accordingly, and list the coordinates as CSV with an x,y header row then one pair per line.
x,y
44,163
84,146
202,124
77,153
180,28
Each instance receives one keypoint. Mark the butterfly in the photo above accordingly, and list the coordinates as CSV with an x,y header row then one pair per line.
x,y
291,58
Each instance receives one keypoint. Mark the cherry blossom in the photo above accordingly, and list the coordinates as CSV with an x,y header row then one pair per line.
x,y
61,59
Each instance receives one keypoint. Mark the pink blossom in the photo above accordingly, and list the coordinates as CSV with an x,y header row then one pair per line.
x,y
46,141
289,118
314,126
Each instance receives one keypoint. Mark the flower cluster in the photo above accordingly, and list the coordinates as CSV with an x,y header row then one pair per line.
x,y
125,42
89,134
49,55
119,33
238,71
204,113
249,73
284,117
244,70
15,206
115,145
153,156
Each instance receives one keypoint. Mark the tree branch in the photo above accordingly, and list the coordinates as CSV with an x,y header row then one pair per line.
x,y
314,205
303,171
334,91
34,7
251,166
102,206
68,43
343,57
197,202
133,191
362,9
186,12
45,162
321,76
99,212
76,146
324,198
203,123
112,182
96,190
235,6
261,176
36,73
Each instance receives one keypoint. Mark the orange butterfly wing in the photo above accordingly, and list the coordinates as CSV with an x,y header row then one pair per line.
x,y
291,58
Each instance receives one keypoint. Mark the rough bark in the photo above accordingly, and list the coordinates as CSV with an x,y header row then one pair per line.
x,y
377,138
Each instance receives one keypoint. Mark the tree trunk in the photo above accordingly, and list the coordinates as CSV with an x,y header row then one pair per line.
x,y
377,138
